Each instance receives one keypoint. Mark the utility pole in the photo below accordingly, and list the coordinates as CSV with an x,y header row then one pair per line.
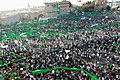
x,y
29,11
45,8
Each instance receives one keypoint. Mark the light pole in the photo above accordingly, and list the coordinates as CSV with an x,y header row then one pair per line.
x,y
112,3
45,8
29,11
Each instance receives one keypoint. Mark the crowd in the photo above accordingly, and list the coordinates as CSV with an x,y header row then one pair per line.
x,y
91,43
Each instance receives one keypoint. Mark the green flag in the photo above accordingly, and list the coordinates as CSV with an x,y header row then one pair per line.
x,y
27,67
58,8
0,62
1,79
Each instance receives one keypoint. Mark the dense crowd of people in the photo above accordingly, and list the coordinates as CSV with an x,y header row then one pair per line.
x,y
91,43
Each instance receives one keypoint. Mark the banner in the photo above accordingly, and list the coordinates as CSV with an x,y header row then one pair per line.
x,y
66,68
58,8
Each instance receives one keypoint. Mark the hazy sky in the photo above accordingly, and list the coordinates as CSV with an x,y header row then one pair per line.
x,y
17,4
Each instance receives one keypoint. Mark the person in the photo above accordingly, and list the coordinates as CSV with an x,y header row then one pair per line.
x,y
81,46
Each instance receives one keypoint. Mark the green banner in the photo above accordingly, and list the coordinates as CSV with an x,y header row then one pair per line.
x,y
58,8
66,68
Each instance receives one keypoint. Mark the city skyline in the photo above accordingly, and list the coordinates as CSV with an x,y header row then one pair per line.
x,y
18,4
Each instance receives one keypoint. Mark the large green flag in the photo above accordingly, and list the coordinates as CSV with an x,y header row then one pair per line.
x,y
66,68
0,62
58,8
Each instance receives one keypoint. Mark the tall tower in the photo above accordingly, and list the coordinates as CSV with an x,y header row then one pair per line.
x,y
100,4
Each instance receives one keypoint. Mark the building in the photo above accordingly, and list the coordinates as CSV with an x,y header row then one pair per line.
x,y
100,4
56,8
13,16
115,4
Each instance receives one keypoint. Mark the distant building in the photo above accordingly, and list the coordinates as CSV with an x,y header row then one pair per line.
x,y
100,4
13,16
80,4
116,4
56,8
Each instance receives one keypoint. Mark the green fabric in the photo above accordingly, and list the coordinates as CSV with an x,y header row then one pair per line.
x,y
0,62
27,66
58,8
20,79
15,74
31,33
14,61
110,66
57,71
66,68
9,74
1,39
13,55
0,54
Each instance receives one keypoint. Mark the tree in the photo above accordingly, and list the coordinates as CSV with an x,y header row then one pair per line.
x,y
117,7
70,5
97,5
40,16
89,2
113,9
108,7
88,8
